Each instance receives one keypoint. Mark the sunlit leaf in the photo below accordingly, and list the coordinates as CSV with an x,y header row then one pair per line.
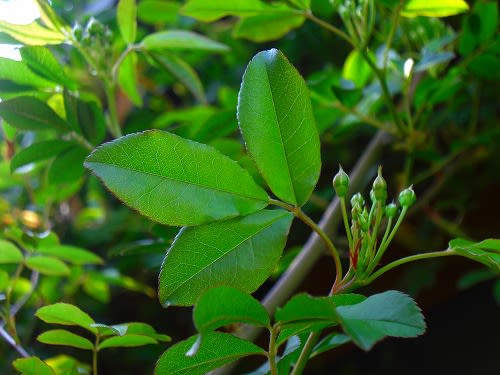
x,y
9,253
126,13
47,265
66,314
32,366
66,338
435,8
181,40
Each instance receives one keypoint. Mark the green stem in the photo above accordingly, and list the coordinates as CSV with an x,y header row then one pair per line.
x,y
94,355
306,353
346,223
272,351
113,124
392,31
329,27
405,260
116,66
81,140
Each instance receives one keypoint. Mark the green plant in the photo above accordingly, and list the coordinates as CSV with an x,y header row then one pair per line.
x,y
235,208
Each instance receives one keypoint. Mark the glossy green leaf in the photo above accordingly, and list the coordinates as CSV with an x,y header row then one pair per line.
x,y
304,307
182,71
139,328
157,11
241,253
204,10
153,172
223,305
18,72
68,167
33,34
181,40
277,123
66,314
71,254
43,62
66,338
437,8
126,14
486,252
32,366
390,313
127,79
39,151
47,265
28,113
127,341
217,350
268,26
356,69
9,253
330,342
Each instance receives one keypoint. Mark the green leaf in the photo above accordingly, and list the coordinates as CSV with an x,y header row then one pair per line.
x,y
127,341
18,72
183,72
390,313
277,123
97,288
85,117
33,34
47,265
302,4
71,254
32,366
204,10
268,26
330,342
9,253
486,252
127,78
68,167
304,308
223,305
217,350
28,113
241,253
66,314
4,279
181,40
39,151
126,14
66,338
144,329
356,69
43,62
436,8
157,11
154,173
66,365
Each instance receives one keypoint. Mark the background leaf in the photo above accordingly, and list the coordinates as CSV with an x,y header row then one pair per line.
x,y
43,62
32,366
68,167
438,8
9,253
181,40
71,254
127,78
486,252
126,13
33,34
66,314
47,265
179,192
277,123
66,338
240,252
127,341
204,10
39,151
18,72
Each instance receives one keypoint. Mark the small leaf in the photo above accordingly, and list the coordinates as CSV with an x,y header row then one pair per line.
x,y
277,123
145,330
66,338
66,365
181,40
154,173
438,8
305,308
43,62
68,167
241,253
39,151
126,14
157,11
217,350
390,313
356,69
9,253
204,10
32,366
66,314
71,254
47,265
18,72
127,78
330,342
223,305
127,341
28,113
486,252
33,34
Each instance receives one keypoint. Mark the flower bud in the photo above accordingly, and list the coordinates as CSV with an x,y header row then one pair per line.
x,y
341,183
357,200
391,210
380,187
363,221
407,197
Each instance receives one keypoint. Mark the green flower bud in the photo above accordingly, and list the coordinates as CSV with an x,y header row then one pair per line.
x,y
380,187
357,200
355,212
391,210
341,183
407,197
78,31
363,221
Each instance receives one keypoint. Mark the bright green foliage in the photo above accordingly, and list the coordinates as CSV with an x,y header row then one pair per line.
x,y
66,338
217,350
66,365
303,307
68,167
32,366
71,254
127,78
486,252
4,280
177,192
126,13
33,34
157,11
277,123
222,306
9,253
181,40
240,252
38,152
386,314
204,10
43,62
66,314
128,341
436,8
18,72
47,265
